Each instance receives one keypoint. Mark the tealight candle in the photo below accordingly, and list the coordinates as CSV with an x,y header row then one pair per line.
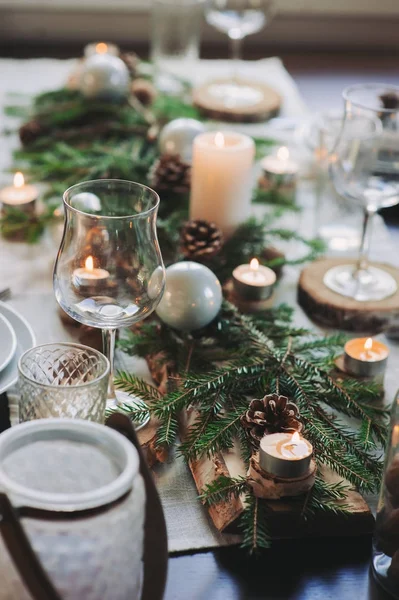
x,y
365,357
20,195
253,282
279,172
285,455
89,277
101,48
221,184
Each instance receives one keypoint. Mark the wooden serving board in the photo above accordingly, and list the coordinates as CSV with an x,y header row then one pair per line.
x,y
333,310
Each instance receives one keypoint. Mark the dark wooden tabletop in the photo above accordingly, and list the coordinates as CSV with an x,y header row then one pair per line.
x,y
314,569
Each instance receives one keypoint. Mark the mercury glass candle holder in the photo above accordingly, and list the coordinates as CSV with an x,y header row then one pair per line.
x,y
63,380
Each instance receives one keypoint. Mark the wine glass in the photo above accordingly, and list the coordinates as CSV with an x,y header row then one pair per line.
x,y
238,18
364,166
109,271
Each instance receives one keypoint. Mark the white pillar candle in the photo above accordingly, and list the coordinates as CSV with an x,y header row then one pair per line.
x,y
89,277
221,185
254,282
101,48
285,455
20,195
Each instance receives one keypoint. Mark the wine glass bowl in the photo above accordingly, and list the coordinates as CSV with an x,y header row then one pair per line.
x,y
109,271
238,19
364,167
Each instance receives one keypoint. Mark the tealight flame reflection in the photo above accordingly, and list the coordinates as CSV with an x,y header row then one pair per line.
x,y
219,140
254,264
368,344
19,180
101,48
283,153
89,264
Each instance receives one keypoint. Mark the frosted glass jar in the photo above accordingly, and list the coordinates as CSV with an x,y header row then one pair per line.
x,y
84,508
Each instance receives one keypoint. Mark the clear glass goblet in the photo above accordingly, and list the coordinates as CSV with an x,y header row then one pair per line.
x,y
238,19
364,167
109,271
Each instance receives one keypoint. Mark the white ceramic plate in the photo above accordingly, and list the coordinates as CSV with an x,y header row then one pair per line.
x,y
8,342
25,340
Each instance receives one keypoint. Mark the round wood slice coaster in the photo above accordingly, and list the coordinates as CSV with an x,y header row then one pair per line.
x,y
267,102
333,310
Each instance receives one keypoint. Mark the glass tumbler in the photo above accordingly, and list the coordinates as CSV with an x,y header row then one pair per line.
x,y
175,35
385,562
63,380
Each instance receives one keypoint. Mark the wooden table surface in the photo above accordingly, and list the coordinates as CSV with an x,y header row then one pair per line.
x,y
318,569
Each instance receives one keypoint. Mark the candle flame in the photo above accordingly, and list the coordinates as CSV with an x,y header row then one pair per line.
x,y
19,180
368,344
89,264
219,139
295,437
101,48
283,153
254,264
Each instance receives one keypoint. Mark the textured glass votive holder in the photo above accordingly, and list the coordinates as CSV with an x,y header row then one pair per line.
x,y
63,380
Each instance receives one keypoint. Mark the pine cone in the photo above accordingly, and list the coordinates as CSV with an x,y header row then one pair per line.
x,y
170,173
200,239
132,61
390,100
31,131
144,91
271,414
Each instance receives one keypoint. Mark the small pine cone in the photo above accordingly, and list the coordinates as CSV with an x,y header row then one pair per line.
x,y
271,414
200,239
144,91
170,173
390,100
30,132
132,61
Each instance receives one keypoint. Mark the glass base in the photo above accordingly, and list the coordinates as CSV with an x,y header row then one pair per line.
x,y
123,398
373,284
380,568
233,94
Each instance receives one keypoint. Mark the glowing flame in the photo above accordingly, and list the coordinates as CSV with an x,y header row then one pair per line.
x,y
254,264
219,139
295,437
368,344
101,48
19,180
89,264
283,153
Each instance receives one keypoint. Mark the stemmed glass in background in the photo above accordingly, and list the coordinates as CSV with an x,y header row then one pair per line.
x,y
364,166
238,18
109,271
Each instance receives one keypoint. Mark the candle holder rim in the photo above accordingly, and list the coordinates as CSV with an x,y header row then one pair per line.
x,y
69,344
138,215
346,94
380,344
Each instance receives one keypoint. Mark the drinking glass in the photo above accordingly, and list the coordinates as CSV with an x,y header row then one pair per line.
x,y
238,18
63,380
364,166
175,34
109,271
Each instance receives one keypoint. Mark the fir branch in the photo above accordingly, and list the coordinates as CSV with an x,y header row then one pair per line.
x,y
254,524
135,386
223,489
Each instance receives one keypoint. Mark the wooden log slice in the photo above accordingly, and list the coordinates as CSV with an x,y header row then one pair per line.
x,y
266,105
333,310
270,487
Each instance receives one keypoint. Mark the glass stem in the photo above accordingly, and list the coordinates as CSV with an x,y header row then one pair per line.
x,y
363,261
236,48
109,336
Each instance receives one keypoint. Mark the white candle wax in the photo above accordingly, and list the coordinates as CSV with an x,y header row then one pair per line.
x,y
280,164
101,48
221,179
19,193
285,455
254,281
88,276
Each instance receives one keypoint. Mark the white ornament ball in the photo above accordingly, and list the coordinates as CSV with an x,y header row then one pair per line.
x,y
192,297
86,202
105,77
177,137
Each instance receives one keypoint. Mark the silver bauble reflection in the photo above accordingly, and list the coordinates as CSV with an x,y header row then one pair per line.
x,y
177,137
105,77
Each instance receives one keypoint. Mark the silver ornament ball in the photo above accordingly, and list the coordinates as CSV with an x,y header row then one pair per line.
x,y
105,77
177,137
86,202
192,297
